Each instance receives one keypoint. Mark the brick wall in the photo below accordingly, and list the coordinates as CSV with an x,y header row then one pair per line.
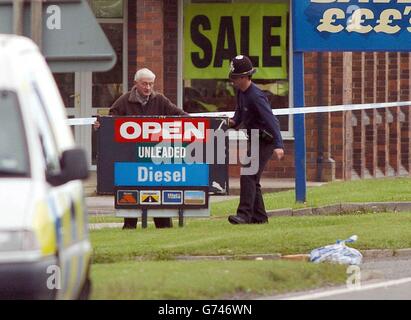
x,y
405,95
363,144
358,116
337,131
152,42
150,38
320,165
370,89
132,41
382,128
311,99
394,142
170,49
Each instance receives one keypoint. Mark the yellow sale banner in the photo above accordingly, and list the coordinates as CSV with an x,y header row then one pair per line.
x,y
216,33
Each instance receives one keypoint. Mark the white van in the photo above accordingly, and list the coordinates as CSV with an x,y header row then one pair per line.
x,y
44,246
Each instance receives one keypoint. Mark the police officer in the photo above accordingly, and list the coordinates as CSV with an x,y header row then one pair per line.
x,y
253,112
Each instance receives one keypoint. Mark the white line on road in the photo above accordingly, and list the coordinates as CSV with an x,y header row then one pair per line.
x,y
329,293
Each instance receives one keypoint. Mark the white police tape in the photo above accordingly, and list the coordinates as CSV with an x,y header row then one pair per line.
x,y
283,111
80,121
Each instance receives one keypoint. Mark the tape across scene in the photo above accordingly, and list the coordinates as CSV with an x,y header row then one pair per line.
x,y
283,111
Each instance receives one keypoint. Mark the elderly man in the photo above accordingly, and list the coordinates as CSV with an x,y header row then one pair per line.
x,y
143,100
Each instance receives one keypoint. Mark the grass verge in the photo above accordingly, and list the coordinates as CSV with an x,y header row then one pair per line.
x,y
208,279
375,190
285,235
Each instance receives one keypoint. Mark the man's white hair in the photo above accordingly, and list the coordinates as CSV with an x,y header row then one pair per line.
x,y
144,73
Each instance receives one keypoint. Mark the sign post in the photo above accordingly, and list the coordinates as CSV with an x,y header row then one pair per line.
x,y
299,129
299,119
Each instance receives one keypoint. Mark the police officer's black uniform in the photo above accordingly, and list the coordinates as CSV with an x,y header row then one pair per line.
x,y
254,112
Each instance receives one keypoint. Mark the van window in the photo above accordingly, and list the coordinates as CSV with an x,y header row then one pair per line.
x,y
48,143
14,160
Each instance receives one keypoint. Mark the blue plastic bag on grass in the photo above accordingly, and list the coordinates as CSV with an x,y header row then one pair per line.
x,y
337,253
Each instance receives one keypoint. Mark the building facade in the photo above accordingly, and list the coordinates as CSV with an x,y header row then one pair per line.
x,y
156,34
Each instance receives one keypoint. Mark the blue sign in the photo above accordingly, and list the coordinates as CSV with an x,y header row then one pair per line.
x,y
135,174
334,25
172,197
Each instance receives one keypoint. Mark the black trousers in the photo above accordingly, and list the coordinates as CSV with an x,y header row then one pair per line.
x,y
131,223
251,207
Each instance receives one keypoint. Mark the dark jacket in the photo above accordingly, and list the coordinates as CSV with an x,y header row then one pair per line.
x,y
254,111
157,105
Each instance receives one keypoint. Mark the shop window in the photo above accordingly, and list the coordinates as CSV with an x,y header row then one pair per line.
x,y
65,83
216,94
108,86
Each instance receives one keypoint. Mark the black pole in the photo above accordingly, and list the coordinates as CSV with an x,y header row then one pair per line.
x,y
181,217
144,218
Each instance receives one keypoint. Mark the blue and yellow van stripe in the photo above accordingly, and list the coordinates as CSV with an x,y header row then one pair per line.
x,y
44,228
60,224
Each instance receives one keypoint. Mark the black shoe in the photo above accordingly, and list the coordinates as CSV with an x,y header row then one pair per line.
x,y
236,220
